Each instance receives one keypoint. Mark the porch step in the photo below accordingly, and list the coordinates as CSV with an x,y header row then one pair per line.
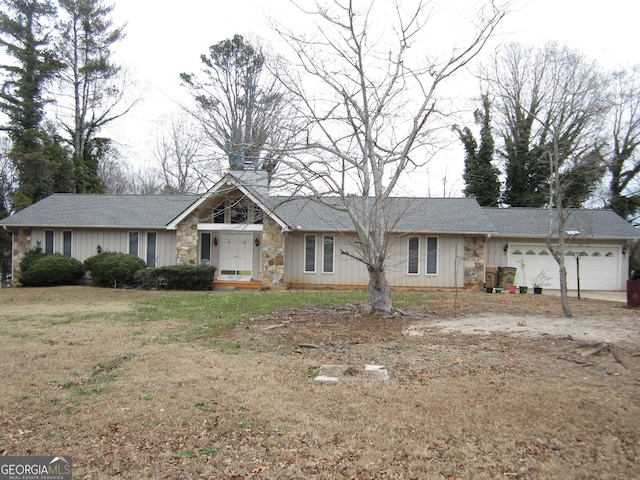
x,y
236,284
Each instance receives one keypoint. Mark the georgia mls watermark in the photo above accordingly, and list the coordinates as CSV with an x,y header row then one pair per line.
x,y
35,468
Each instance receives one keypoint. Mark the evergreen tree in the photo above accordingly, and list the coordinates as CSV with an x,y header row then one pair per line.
x,y
25,34
480,176
86,38
527,171
528,85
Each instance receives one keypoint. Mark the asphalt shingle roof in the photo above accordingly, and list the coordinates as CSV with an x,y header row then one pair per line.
x,y
436,215
527,222
432,215
93,210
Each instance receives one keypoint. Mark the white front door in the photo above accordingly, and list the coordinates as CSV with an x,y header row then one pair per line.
x,y
236,256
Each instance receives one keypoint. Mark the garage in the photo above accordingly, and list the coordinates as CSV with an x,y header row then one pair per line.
x,y
599,265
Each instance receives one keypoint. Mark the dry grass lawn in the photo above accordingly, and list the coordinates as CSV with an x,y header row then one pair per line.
x,y
94,374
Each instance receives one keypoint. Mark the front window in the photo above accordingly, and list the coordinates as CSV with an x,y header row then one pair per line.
x,y
151,249
327,254
432,255
310,253
66,243
413,256
48,242
133,243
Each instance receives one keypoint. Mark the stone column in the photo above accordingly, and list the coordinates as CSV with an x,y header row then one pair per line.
x,y
187,241
21,244
272,254
474,262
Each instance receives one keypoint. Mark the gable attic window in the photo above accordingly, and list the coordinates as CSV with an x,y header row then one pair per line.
x,y
310,253
432,255
413,260
133,243
218,213
48,242
67,236
239,212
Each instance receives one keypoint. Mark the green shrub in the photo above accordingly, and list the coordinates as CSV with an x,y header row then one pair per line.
x,y
111,269
30,257
183,277
51,270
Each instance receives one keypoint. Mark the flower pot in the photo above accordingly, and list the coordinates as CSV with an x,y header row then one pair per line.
x,y
537,290
512,288
524,289
498,289
489,290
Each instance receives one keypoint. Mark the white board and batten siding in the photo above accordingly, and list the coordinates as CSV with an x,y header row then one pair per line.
x,y
84,243
603,265
348,271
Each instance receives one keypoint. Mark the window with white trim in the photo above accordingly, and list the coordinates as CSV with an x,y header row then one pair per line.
x,y
205,246
152,248
327,253
133,243
413,255
432,256
67,237
310,253
48,242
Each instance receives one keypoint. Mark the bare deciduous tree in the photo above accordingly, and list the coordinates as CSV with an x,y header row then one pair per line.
x,y
623,162
368,96
244,111
552,102
179,149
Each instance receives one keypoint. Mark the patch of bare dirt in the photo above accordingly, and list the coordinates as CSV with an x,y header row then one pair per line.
x,y
481,386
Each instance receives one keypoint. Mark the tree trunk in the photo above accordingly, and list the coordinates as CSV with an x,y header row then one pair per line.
x,y
379,291
564,296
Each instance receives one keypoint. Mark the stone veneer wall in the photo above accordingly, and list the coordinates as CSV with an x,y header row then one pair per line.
x,y
21,244
272,254
187,241
474,262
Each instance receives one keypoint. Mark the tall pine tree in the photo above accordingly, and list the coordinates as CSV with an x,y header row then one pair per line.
x,y
90,76
480,176
25,35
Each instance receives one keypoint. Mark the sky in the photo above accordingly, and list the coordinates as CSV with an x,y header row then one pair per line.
x,y
165,38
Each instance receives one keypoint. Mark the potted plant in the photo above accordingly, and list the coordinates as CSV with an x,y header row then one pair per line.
x,y
523,287
539,281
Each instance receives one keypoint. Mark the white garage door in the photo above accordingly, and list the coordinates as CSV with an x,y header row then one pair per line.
x,y
599,266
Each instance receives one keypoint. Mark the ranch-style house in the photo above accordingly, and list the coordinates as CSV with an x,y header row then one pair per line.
x,y
258,240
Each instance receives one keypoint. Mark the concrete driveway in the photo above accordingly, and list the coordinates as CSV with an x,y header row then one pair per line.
x,y
594,294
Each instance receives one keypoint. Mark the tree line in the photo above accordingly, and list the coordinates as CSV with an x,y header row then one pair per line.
x,y
564,131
